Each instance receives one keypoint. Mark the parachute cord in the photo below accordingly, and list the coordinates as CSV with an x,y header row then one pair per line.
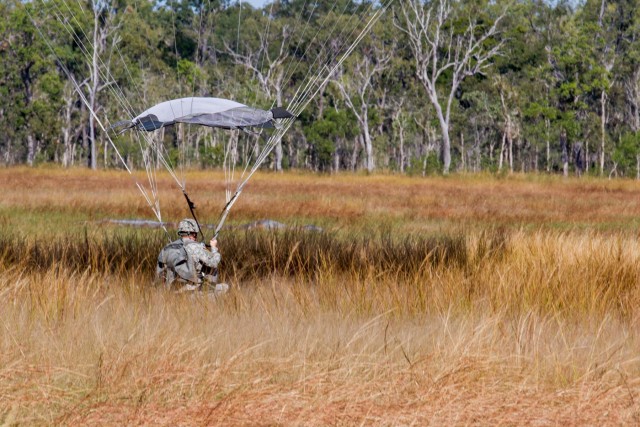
x,y
114,89
154,206
226,209
192,208
301,102
266,36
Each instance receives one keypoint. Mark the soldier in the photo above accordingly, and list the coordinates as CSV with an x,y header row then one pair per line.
x,y
187,261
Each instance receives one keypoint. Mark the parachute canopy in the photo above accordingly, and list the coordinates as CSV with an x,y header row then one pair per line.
x,y
212,112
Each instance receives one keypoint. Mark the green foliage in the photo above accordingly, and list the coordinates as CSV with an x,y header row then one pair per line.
x,y
557,62
626,154
212,156
189,72
426,165
323,133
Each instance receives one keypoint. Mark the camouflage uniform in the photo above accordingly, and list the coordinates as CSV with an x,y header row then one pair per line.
x,y
202,258
201,264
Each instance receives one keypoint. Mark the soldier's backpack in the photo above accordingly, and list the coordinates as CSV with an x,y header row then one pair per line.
x,y
174,264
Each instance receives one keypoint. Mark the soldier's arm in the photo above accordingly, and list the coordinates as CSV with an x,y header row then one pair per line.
x,y
209,258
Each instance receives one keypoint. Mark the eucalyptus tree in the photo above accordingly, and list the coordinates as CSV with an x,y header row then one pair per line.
x,y
101,46
266,57
450,40
29,84
356,87
602,22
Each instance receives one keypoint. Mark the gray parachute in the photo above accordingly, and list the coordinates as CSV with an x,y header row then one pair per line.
x,y
212,112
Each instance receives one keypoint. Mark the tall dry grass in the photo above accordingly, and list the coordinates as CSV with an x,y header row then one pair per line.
x,y
518,328
480,319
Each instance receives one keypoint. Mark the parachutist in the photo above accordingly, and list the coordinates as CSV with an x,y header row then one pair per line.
x,y
187,262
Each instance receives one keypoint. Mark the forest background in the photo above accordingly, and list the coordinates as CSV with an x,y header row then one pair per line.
x,y
436,86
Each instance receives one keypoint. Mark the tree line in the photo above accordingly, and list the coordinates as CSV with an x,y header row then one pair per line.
x,y
433,87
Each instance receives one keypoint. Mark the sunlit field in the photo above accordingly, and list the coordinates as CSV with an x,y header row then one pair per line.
x,y
413,301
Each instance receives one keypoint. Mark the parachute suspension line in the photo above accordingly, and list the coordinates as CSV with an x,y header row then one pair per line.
x,y
289,72
300,101
304,93
258,136
304,5
229,162
151,199
192,209
184,146
147,157
266,37
299,104
105,76
275,138
151,145
319,59
231,148
235,68
115,90
154,207
127,107
182,157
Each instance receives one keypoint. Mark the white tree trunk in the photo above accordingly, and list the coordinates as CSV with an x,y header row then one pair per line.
x,y
402,154
438,50
603,119
31,149
547,125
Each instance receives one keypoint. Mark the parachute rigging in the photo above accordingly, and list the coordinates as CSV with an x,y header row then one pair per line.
x,y
211,112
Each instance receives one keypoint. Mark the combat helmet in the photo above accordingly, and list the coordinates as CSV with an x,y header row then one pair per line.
x,y
187,226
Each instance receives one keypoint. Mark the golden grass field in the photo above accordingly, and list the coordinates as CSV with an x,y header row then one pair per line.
x,y
461,300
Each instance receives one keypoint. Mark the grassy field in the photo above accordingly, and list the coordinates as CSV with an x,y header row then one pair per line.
x,y
443,301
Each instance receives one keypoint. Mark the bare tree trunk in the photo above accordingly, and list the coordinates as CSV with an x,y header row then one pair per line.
x,y
31,149
95,83
402,154
67,142
354,153
565,153
632,95
105,156
587,161
436,50
445,148
603,119
102,25
462,153
368,144
500,159
510,141
364,71
271,77
547,125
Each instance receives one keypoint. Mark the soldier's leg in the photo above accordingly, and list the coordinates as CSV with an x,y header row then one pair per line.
x,y
210,275
211,281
